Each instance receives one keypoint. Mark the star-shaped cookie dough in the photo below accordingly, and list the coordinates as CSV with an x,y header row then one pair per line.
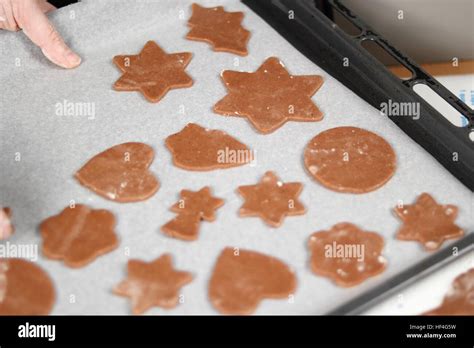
x,y
200,203
271,199
153,72
223,30
151,284
428,222
270,96
191,209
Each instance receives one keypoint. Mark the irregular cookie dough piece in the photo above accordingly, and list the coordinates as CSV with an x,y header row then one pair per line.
x,y
25,288
242,279
121,173
198,148
223,30
270,96
6,225
151,284
271,200
346,254
428,222
78,235
350,159
153,72
192,208
460,299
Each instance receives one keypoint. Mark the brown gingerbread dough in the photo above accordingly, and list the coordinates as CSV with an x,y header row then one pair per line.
x,y
270,97
198,148
271,200
25,288
223,30
121,173
242,279
153,72
192,208
460,299
78,235
346,254
151,284
350,159
428,222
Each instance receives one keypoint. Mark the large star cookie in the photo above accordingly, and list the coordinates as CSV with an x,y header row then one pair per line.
x,y
271,199
223,30
151,284
153,72
270,96
428,222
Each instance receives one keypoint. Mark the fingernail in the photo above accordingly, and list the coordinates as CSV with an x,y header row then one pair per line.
x,y
73,59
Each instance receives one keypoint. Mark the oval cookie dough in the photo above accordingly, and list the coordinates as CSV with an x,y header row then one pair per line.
x,y
350,159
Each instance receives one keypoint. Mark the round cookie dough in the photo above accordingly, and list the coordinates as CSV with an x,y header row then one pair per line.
x,y
25,288
350,159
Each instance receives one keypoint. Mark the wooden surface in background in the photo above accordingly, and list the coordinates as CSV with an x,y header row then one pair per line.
x,y
437,69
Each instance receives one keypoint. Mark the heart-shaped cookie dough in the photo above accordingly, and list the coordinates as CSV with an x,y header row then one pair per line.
x,y
121,173
242,278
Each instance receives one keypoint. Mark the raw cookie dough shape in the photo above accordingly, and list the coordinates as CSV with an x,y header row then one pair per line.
x,y
350,159
78,235
121,173
346,254
460,299
192,208
201,149
271,200
153,72
6,225
25,288
223,30
270,97
428,222
150,284
241,281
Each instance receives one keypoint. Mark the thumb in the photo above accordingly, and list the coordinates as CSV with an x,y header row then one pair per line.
x,y
38,28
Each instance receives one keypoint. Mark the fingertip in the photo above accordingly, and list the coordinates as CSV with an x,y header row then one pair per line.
x,y
68,60
73,60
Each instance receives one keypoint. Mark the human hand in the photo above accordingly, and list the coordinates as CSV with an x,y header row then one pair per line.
x,y
29,15
6,227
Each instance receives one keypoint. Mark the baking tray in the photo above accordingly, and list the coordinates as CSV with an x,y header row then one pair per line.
x,y
53,147
313,32
327,45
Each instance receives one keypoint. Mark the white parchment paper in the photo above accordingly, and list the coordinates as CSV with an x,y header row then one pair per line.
x,y
41,150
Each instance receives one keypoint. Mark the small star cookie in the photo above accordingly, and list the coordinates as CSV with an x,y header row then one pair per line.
x,y
151,284
428,222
